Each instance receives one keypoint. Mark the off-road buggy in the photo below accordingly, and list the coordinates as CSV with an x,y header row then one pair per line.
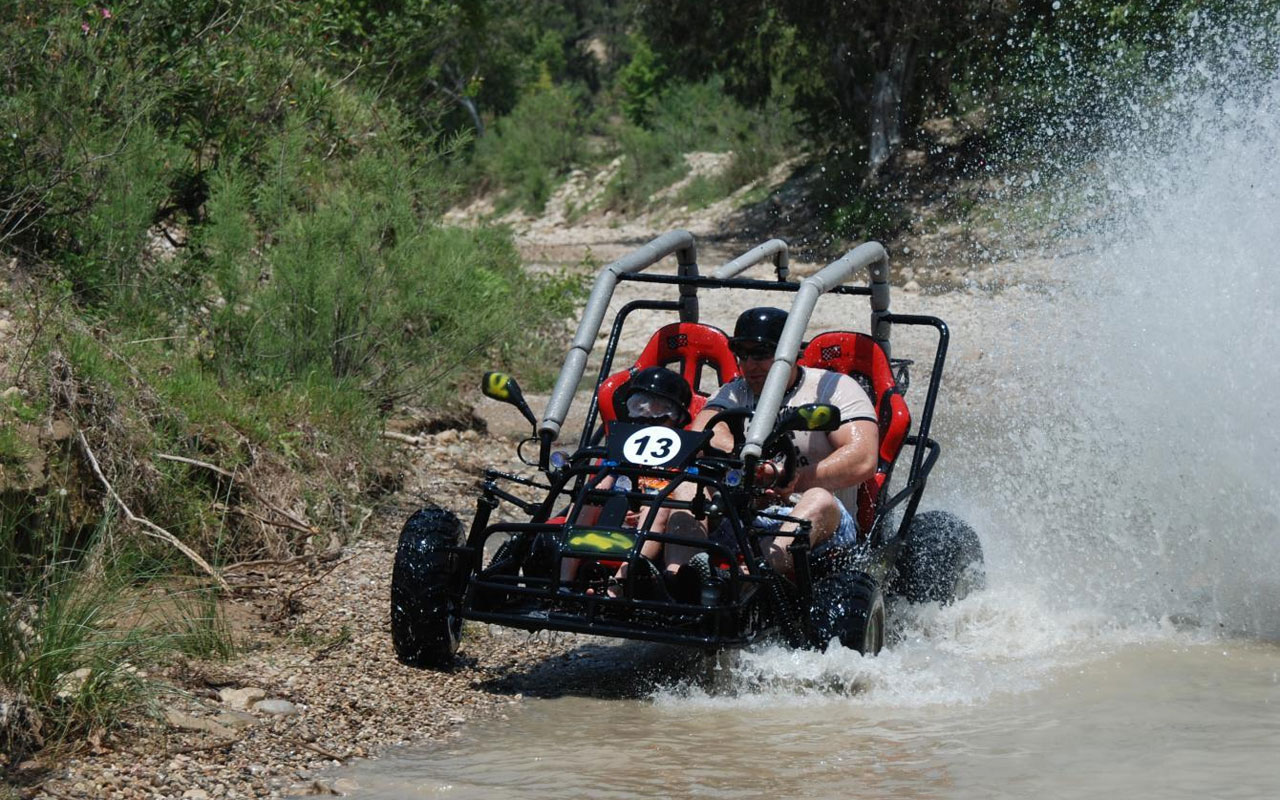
x,y
511,572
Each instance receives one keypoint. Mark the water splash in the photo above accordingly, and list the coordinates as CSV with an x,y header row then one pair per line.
x,y
1117,447
1131,459
1002,641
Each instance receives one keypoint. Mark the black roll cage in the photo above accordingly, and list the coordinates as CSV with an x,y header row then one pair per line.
x,y
925,450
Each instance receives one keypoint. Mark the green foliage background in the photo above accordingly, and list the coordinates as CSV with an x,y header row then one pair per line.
x,y
307,205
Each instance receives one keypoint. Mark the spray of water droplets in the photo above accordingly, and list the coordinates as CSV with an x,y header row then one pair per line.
x,y
1118,448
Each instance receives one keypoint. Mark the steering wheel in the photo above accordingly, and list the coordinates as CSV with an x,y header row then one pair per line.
x,y
778,449
736,420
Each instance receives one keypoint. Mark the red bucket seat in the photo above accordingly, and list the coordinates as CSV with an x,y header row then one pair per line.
x,y
858,355
684,347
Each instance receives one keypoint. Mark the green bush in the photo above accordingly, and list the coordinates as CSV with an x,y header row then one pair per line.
x,y
528,151
693,117
640,83
305,209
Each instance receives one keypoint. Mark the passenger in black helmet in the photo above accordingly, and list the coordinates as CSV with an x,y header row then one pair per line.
x,y
831,465
654,396
657,394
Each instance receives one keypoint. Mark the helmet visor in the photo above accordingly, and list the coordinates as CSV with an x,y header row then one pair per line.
x,y
645,405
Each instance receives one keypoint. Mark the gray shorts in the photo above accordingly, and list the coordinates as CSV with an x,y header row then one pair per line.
x,y
845,534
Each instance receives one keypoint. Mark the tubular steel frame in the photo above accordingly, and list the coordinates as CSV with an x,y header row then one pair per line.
x,y
752,601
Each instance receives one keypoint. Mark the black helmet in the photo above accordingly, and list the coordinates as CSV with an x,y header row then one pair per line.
x,y
761,325
657,392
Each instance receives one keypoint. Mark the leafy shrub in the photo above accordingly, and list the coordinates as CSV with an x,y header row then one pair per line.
x,y
640,83
527,151
693,117
306,208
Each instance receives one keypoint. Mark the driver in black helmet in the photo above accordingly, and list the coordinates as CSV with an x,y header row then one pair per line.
x,y
831,465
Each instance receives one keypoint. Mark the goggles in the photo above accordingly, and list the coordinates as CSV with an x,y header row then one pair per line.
x,y
643,405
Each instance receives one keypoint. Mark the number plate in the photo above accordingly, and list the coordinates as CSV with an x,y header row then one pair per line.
x,y
654,445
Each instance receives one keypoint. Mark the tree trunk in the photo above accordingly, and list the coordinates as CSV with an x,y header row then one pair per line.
x,y
885,112
470,106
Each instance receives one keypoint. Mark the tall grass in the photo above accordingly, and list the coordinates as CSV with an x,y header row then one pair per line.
x,y
81,625
67,667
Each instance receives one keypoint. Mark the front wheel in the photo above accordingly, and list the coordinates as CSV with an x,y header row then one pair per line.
x,y
425,624
942,561
849,606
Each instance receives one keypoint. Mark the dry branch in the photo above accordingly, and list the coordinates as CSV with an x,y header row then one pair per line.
x,y
149,527
294,522
329,754
244,512
287,604
404,437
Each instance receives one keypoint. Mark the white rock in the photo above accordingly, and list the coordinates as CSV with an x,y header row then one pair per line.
x,y
276,707
179,719
69,683
241,699
236,719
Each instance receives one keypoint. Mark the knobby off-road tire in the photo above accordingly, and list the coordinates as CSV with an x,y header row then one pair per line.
x,y
849,606
942,561
425,624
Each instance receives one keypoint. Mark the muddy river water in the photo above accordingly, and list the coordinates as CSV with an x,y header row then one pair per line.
x,y
1109,428
1167,718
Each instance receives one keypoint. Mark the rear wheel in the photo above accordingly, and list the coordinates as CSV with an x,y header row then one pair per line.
x,y
849,606
425,624
942,561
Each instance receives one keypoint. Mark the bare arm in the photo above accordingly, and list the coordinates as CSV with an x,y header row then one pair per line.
x,y
853,461
721,437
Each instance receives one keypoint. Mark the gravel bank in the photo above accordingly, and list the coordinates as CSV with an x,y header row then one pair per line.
x,y
318,686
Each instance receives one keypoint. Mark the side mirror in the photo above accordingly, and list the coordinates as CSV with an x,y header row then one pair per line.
x,y
810,417
502,387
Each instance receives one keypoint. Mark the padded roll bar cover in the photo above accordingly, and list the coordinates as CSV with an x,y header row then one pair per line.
x,y
575,361
870,256
775,249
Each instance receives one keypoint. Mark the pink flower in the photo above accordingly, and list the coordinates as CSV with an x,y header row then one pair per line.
x,y
84,27
106,13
